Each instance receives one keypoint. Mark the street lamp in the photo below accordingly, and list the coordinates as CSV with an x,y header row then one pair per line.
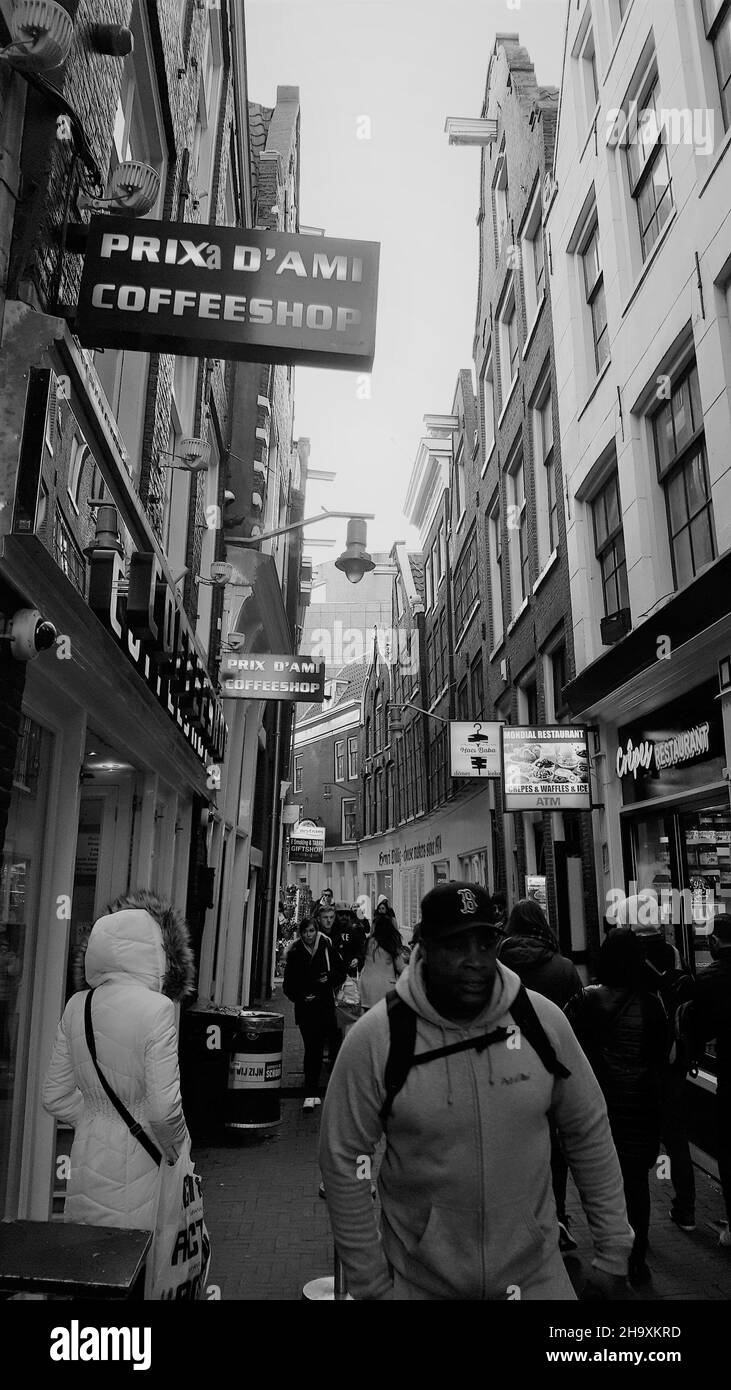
x,y
396,725
354,561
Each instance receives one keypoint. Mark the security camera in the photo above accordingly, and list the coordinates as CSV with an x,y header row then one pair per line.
x,y
237,641
30,633
228,497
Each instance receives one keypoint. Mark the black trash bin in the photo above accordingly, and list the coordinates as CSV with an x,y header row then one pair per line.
x,y
207,1033
255,1072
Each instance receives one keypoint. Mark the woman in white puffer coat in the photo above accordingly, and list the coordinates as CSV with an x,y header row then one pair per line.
x,y
138,960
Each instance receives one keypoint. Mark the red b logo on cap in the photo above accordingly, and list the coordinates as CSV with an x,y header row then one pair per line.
x,y
469,901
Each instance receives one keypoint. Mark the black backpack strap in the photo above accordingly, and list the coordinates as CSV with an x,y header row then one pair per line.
x,y
133,1125
402,1031
530,1025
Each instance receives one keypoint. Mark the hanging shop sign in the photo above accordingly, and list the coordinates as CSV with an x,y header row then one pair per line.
x,y
307,843
546,769
150,627
271,677
202,291
475,750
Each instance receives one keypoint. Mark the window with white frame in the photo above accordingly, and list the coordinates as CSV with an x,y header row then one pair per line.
x,y
339,760
77,459
436,561
517,533
682,466
500,198
202,154
297,773
533,259
609,546
442,548
352,757
487,396
495,553
347,830
458,487
648,166
590,253
717,19
466,588
587,76
428,585
509,345
544,472
473,867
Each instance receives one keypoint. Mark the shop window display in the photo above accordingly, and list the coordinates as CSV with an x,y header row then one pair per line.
x,y
20,880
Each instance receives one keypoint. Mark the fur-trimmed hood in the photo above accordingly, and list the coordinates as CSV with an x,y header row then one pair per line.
x,y
124,941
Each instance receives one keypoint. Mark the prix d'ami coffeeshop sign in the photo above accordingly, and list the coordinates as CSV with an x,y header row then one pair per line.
x,y
270,677
229,292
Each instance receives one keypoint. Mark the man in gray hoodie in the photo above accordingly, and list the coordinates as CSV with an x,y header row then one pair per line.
x,y
465,1181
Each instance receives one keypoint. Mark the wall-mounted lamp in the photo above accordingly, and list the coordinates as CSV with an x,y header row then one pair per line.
x,y
221,575
41,36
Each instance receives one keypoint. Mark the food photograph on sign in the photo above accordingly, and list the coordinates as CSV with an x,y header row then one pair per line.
x,y
546,769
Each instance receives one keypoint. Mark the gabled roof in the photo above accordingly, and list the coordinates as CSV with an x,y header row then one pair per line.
x,y
354,677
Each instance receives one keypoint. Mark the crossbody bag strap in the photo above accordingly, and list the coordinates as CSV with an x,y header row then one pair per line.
x,y
133,1125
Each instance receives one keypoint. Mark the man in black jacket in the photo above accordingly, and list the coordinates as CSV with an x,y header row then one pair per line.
x,y
312,974
712,1019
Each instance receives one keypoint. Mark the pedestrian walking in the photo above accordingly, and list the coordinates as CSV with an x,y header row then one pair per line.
x,y
623,1030
313,972
465,1182
531,949
350,936
138,962
384,960
711,1019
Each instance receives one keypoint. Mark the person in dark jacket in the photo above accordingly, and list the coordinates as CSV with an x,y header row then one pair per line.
x,y
531,949
711,1018
312,974
622,1028
349,937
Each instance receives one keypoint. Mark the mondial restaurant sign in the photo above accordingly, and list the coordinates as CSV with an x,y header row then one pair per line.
x,y
229,292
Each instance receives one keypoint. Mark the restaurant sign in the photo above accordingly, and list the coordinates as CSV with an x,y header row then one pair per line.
x,y
209,291
546,769
270,677
666,752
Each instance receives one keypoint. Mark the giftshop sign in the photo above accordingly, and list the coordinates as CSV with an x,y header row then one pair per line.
x,y
307,843
150,627
546,769
271,677
256,296
475,750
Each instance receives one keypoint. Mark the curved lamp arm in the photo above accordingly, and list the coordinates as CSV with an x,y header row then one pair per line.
x,y
324,515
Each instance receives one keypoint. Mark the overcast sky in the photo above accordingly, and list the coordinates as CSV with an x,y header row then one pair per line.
x,y
406,65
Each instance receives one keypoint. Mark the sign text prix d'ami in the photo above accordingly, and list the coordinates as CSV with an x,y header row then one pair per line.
x,y
229,292
270,677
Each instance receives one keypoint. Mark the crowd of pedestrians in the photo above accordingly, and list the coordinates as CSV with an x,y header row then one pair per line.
x,y
476,1060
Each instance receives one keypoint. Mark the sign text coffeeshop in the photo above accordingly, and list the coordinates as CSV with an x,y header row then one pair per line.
x,y
226,292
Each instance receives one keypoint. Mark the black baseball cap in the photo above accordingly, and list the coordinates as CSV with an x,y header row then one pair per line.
x,y
454,907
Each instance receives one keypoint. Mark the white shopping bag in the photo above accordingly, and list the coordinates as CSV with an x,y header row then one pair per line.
x,y
180,1257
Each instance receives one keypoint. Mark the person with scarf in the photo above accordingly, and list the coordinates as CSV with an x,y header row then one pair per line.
x,y
531,949
313,973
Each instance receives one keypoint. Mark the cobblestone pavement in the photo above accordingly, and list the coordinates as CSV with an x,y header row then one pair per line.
x,y
271,1235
